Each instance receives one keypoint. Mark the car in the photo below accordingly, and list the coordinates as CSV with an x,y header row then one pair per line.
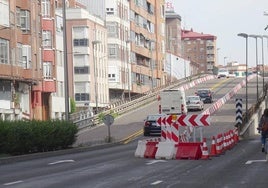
x,y
150,127
206,95
223,73
194,103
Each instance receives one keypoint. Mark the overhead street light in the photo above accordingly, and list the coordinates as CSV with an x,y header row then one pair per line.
x,y
66,81
224,61
94,43
256,37
244,35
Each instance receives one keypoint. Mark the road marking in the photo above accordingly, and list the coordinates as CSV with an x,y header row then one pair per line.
x,y
255,161
62,161
14,182
156,182
155,161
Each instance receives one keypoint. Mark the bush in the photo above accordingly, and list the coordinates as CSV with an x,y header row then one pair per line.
x,y
22,137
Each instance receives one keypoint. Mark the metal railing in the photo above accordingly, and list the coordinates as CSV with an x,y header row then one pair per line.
x,y
84,119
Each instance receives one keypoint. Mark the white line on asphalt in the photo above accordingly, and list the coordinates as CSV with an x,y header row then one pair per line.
x,y
14,182
254,161
62,161
155,161
156,182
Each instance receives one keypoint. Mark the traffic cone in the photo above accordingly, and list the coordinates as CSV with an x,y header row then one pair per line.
x,y
205,154
213,150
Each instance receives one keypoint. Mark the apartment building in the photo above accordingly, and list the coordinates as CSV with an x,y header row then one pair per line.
x,y
200,49
87,59
119,67
147,25
20,68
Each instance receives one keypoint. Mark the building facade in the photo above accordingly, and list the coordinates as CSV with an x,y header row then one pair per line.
x,y
147,25
200,49
20,67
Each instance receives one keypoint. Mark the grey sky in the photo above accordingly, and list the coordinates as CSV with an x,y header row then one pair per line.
x,y
225,19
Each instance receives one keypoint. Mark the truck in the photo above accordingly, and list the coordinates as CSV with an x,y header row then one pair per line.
x,y
172,101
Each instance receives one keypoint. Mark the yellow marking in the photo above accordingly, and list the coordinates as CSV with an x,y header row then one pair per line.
x,y
132,136
219,83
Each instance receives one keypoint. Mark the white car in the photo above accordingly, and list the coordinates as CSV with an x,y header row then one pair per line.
x,y
194,103
223,73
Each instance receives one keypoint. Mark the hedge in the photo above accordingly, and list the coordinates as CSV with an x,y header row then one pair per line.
x,y
22,137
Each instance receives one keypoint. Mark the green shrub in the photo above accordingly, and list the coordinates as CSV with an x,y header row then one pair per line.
x,y
21,137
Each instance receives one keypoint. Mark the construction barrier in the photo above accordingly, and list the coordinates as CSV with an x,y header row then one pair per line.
x,y
151,148
166,150
140,150
191,150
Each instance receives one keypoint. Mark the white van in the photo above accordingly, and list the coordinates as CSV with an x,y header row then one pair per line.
x,y
172,101
223,73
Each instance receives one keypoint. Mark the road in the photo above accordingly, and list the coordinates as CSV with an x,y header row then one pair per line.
x,y
116,166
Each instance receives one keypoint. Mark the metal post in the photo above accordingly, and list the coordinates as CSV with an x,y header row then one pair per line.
x,y
246,37
129,73
94,43
262,64
256,37
66,82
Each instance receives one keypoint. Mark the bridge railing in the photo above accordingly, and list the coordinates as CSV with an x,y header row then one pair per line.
x,y
85,118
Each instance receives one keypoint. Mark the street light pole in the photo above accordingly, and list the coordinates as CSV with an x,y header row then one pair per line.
x,y
66,82
128,65
244,35
262,63
256,37
94,43
224,60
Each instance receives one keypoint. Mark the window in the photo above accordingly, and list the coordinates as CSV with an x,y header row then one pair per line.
x,y
59,24
18,16
81,70
45,8
112,29
47,39
4,51
109,11
47,70
111,77
81,96
25,20
4,12
112,50
19,55
81,42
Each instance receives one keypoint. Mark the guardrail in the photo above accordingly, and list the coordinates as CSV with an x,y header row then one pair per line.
x,y
84,119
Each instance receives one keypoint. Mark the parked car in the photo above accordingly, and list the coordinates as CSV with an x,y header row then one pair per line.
x,y
206,95
150,127
194,103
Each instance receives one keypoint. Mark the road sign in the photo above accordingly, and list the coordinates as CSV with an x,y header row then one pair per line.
x,y
108,120
238,105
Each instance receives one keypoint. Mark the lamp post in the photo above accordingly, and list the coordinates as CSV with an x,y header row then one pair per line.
x,y
266,36
151,63
224,60
256,37
66,82
244,35
128,65
94,43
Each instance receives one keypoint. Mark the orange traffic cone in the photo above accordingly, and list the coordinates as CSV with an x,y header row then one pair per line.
x,y
213,150
205,154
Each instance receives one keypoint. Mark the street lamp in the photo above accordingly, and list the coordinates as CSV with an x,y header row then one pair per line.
x,y
128,65
151,63
66,82
256,37
266,36
94,43
224,60
244,35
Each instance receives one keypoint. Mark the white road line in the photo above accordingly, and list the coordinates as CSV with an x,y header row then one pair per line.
x,y
155,161
14,182
156,182
254,161
62,161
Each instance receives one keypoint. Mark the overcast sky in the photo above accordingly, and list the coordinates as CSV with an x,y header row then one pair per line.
x,y
225,19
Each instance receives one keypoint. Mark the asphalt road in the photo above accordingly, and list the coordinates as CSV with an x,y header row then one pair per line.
x,y
116,166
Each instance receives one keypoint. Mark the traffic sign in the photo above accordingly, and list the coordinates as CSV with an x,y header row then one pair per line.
x,y
108,119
